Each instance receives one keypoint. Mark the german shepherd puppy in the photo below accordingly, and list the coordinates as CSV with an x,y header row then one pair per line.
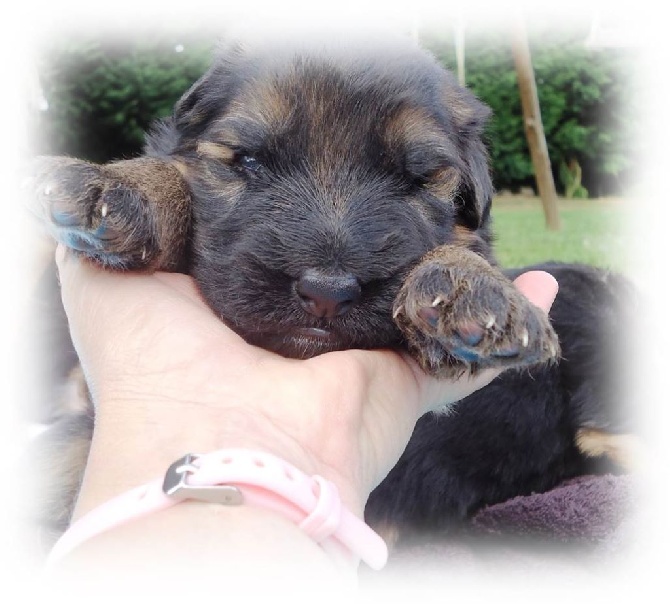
x,y
327,198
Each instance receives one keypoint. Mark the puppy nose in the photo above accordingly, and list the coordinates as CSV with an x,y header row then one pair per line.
x,y
327,295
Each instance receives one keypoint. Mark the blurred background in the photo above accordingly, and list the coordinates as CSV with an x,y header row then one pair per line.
x,y
95,82
95,97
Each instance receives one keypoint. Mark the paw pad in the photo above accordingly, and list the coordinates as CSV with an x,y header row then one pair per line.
x,y
459,313
471,333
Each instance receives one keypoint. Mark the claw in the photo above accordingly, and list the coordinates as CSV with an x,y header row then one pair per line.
x,y
524,338
103,210
437,301
506,353
491,322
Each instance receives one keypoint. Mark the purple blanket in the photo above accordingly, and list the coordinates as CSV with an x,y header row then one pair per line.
x,y
588,509
581,520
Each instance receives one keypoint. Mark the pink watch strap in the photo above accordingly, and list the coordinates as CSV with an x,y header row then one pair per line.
x,y
235,476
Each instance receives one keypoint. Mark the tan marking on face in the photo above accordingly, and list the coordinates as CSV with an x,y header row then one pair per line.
x,y
197,169
263,102
443,184
223,130
195,117
412,125
215,151
625,450
415,126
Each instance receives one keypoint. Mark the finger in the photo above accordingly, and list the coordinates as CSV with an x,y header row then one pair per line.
x,y
539,287
99,300
105,306
104,320
78,275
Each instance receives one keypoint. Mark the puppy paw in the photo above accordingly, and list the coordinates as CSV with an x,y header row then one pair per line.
x,y
91,213
459,314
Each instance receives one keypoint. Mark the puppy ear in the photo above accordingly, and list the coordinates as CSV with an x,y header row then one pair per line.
x,y
189,118
196,108
186,110
210,94
469,116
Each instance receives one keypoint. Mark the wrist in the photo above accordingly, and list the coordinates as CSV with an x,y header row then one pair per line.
x,y
194,541
158,431
233,477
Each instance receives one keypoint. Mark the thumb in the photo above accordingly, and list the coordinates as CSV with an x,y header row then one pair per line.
x,y
539,287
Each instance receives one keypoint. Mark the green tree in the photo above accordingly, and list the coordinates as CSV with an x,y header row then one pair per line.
x,y
586,99
104,96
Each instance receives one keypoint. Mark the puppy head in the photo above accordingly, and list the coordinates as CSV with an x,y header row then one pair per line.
x,y
320,176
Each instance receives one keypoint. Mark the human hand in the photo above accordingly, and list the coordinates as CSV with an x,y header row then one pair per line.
x,y
168,377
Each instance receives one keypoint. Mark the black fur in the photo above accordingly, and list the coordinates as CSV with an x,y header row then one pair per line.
x,y
359,166
288,220
517,435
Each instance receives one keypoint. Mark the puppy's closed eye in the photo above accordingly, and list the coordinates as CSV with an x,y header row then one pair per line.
x,y
443,182
243,161
431,170
440,178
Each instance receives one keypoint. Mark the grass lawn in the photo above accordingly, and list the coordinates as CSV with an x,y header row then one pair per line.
x,y
592,232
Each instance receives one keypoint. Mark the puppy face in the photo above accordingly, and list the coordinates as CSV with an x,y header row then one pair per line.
x,y
319,178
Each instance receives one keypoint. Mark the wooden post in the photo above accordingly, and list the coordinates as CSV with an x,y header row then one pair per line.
x,y
532,121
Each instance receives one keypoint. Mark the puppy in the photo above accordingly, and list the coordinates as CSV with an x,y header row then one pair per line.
x,y
328,198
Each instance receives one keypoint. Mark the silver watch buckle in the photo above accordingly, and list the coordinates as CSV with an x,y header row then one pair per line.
x,y
175,486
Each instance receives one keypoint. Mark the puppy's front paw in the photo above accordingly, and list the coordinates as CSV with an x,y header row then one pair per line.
x,y
91,213
458,313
